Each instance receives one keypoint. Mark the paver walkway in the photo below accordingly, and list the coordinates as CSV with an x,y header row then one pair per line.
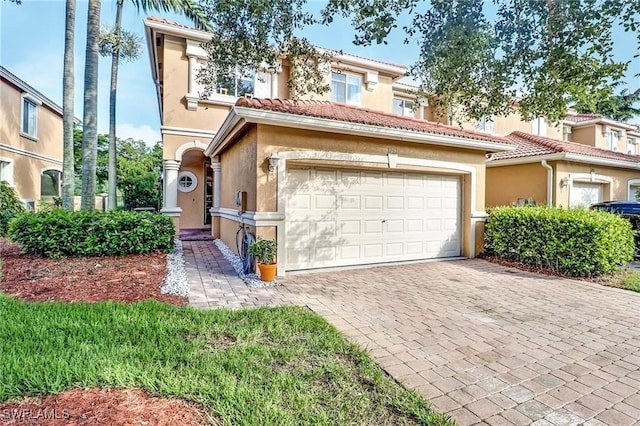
x,y
484,343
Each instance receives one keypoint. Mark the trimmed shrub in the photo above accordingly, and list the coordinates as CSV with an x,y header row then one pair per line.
x,y
578,243
10,206
60,233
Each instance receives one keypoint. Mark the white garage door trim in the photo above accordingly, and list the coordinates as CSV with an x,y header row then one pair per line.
x,y
588,178
343,217
583,194
392,160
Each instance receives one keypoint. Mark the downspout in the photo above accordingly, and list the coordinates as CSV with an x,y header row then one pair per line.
x,y
549,182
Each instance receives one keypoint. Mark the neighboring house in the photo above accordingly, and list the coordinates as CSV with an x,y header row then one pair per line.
x,y
337,180
31,143
559,173
600,132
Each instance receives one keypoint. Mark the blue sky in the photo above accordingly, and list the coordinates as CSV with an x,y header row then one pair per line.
x,y
32,46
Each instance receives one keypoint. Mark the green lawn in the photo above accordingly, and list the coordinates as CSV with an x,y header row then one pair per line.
x,y
265,366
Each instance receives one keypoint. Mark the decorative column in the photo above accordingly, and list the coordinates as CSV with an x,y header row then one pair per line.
x,y
215,211
170,202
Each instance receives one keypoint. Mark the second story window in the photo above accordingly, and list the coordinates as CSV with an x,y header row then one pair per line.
x,y
539,126
485,124
346,88
29,117
237,86
632,146
6,172
403,107
612,140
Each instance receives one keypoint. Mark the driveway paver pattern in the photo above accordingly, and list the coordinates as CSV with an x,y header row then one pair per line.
x,y
484,343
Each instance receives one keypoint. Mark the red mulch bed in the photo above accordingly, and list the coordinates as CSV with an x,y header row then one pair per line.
x,y
102,407
93,279
126,279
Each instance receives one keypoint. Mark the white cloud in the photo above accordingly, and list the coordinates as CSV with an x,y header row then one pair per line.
x,y
144,133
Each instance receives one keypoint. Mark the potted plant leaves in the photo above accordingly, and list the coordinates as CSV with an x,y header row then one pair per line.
x,y
265,252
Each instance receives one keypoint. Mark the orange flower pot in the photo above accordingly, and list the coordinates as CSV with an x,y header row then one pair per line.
x,y
267,271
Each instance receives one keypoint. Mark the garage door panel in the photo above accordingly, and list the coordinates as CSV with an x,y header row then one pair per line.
x,y
350,227
395,226
395,202
358,217
373,227
373,202
350,202
350,252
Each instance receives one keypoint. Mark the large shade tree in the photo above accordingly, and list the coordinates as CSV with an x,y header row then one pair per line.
x,y
120,44
533,55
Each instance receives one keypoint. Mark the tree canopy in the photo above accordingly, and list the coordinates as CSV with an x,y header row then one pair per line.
x,y
537,55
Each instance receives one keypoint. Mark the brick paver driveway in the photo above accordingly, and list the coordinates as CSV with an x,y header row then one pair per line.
x,y
482,342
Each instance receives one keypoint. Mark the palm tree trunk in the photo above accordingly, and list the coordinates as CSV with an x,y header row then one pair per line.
x,y
68,173
90,117
115,57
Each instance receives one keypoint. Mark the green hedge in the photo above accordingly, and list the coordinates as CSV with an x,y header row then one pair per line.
x,y
571,242
10,206
59,233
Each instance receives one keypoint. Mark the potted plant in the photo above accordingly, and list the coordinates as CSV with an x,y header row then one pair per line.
x,y
265,253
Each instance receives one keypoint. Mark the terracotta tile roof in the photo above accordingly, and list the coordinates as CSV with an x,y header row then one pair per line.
x,y
577,118
531,146
168,22
352,114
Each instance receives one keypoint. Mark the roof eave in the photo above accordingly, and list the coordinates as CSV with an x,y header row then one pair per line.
x,y
566,156
282,119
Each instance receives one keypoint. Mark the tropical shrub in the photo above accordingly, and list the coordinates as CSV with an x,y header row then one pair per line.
x,y
60,233
571,242
10,206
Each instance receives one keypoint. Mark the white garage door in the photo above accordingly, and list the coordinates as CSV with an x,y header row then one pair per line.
x,y
345,217
585,193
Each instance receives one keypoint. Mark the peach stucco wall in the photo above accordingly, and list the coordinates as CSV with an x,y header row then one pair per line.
x,y
507,184
48,143
245,167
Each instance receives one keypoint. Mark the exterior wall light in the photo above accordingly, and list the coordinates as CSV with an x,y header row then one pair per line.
x,y
274,159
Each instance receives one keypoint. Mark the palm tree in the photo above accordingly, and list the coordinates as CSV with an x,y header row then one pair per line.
x,y
68,174
120,44
90,117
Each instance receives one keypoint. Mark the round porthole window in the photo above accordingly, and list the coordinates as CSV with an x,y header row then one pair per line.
x,y
187,181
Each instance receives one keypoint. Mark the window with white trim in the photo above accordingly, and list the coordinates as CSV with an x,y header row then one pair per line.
x,y
187,181
6,171
237,85
612,140
539,126
403,107
29,117
632,146
485,124
346,88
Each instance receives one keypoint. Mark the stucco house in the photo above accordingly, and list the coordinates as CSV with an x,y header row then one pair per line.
x,y
342,185
31,145
559,173
353,176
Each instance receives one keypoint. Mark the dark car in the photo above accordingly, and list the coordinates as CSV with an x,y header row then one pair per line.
x,y
630,210
618,207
